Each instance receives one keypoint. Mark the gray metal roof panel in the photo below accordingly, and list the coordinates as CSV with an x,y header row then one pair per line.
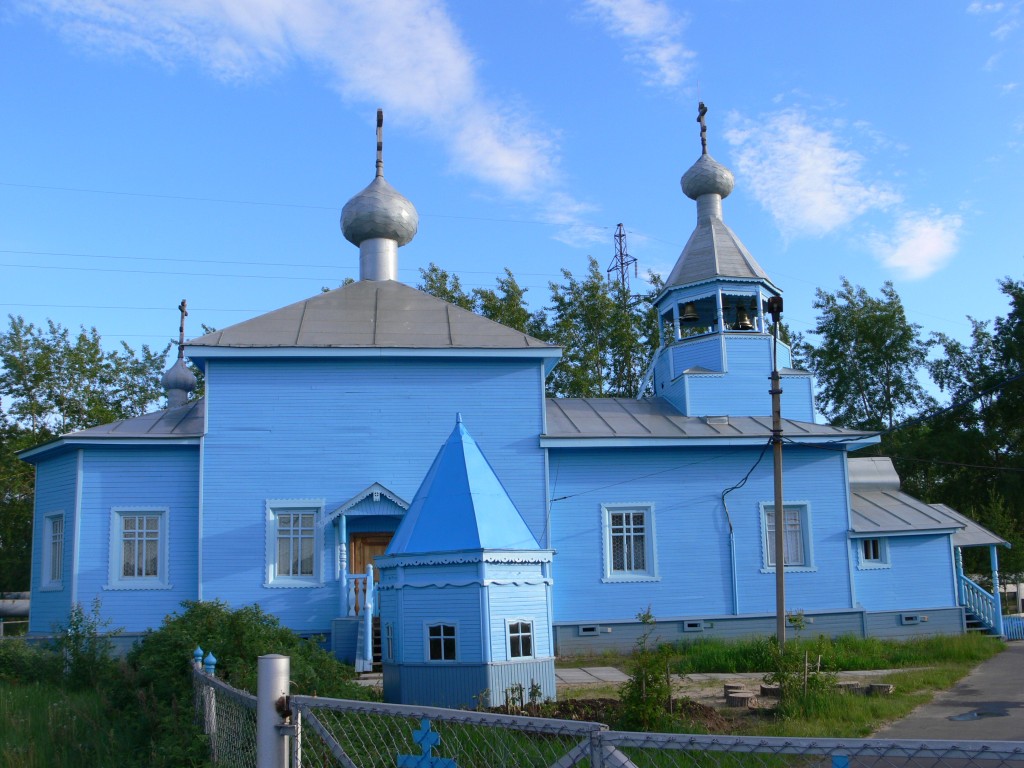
x,y
713,251
188,420
616,417
972,534
887,511
370,314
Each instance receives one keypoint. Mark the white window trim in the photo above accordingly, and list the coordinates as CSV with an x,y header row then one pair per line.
x,y
650,548
270,577
806,533
114,578
508,639
881,563
47,583
426,641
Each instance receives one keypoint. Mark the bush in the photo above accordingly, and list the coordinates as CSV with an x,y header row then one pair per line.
x,y
160,681
646,697
805,675
85,647
21,662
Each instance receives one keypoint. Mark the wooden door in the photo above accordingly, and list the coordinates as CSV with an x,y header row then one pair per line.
x,y
363,547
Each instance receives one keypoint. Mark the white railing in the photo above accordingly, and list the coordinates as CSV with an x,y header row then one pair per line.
x,y
979,602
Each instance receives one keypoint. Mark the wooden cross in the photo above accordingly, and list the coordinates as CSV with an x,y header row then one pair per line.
x,y
701,111
380,142
181,330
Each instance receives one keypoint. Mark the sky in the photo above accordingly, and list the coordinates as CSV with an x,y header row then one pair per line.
x,y
155,150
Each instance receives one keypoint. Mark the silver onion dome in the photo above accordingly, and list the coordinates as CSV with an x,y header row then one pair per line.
x,y
379,220
379,211
178,382
707,177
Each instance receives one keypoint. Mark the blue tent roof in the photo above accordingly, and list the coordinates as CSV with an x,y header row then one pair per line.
x,y
461,505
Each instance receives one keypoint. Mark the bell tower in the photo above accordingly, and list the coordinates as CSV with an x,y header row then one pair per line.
x,y
715,352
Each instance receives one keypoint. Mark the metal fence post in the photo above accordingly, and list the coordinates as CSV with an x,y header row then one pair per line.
x,y
272,673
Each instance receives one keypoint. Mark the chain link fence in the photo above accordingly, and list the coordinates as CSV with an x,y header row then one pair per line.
x,y
359,734
228,718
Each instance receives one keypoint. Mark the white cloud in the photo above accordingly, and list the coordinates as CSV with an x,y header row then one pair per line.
x,y
1005,29
652,30
808,183
405,55
979,7
920,244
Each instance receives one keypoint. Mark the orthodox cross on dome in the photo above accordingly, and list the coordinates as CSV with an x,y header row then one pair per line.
x,y
380,142
701,111
181,330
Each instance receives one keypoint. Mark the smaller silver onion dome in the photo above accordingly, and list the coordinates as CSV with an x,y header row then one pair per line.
x,y
379,211
178,382
707,177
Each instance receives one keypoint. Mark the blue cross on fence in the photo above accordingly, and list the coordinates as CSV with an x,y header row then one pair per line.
x,y
427,739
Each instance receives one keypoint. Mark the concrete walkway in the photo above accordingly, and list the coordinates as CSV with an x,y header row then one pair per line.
x,y
987,705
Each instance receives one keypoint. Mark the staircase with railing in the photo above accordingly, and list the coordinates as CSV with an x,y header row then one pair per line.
x,y
983,611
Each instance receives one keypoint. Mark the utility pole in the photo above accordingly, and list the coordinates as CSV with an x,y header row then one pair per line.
x,y
621,263
775,310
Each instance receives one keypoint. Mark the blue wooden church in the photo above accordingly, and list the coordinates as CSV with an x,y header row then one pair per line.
x,y
382,468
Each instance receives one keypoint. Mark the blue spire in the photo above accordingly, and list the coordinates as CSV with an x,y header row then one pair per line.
x,y
461,505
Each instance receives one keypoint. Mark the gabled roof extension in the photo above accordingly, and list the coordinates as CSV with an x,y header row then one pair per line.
x,y
185,423
879,507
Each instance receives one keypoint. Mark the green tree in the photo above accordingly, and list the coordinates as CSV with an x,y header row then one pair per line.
x,y
445,286
506,305
607,336
868,358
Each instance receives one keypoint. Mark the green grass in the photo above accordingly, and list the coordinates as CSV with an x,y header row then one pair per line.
x,y
45,725
841,654
921,667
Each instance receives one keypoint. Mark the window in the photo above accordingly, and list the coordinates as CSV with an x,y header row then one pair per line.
x,y
294,543
138,548
873,553
796,536
389,641
520,639
629,542
53,552
441,642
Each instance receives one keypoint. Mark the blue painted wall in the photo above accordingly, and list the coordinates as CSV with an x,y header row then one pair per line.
x,y
740,386
692,534
377,420
55,492
148,477
920,575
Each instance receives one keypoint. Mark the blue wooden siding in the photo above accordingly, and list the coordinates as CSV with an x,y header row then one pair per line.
x,y
375,420
503,677
148,477
920,573
513,603
740,386
685,486
437,685
55,492
440,605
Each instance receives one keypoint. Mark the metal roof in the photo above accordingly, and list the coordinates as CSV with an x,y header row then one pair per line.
x,y
368,314
879,507
461,505
185,421
617,417
714,251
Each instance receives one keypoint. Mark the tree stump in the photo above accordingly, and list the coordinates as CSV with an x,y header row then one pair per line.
x,y
771,690
849,686
732,688
881,689
740,699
